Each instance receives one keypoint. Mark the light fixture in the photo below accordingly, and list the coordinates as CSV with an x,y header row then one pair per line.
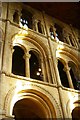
x,y
38,73
39,69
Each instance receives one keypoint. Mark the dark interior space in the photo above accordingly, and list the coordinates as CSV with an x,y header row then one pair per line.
x,y
59,32
68,12
63,76
27,109
35,67
26,18
76,113
18,62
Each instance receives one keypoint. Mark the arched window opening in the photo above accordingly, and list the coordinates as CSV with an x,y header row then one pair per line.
x,y
62,73
76,113
59,34
18,62
16,17
35,66
39,27
51,32
26,19
74,75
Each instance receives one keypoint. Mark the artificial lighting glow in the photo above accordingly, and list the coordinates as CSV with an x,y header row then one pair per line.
x,y
20,85
23,32
72,100
56,38
57,54
38,73
60,47
25,26
21,20
24,21
39,69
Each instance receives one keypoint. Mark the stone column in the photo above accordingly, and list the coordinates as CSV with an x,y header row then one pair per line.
x,y
43,70
27,66
67,69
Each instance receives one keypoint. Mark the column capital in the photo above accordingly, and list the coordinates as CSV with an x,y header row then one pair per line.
x,y
66,68
26,55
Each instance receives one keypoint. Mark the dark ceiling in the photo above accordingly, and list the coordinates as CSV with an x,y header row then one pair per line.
x,y
68,12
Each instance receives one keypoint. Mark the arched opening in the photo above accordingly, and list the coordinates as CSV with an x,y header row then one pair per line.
x,y
51,32
28,109
16,17
35,66
39,27
26,18
74,75
62,73
76,113
18,62
59,32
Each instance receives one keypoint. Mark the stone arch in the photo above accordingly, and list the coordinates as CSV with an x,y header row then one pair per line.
x,y
72,55
75,75
62,72
62,60
41,47
41,94
72,103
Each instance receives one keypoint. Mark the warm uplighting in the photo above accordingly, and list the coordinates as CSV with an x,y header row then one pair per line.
x,y
20,85
72,100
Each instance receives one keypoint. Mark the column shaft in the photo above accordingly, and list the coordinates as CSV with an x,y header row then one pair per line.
x,y
69,76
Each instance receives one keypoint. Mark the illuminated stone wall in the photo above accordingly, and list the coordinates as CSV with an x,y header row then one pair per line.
x,y
49,95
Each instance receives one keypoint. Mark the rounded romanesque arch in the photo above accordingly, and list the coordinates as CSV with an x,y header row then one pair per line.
x,y
40,97
30,42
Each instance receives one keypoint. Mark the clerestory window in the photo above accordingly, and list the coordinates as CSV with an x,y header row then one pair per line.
x,y
51,32
16,17
59,35
26,19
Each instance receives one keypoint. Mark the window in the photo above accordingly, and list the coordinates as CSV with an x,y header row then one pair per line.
x,y
59,32
16,17
18,62
26,19
62,73
74,75
35,66
40,27
51,32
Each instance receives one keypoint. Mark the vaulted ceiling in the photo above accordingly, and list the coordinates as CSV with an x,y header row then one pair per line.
x,y
68,12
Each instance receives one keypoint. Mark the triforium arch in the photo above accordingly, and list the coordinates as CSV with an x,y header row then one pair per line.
x,y
62,72
29,43
74,72
47,105
71,64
